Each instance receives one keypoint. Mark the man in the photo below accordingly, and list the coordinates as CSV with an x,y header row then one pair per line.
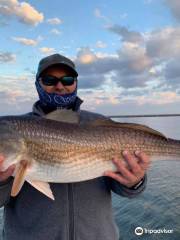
x,y
82,210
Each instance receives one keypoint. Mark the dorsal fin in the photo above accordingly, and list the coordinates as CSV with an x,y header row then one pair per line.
x,y
63,115
135,126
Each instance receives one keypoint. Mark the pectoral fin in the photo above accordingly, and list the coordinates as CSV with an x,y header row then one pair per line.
x,y
43,187
20,174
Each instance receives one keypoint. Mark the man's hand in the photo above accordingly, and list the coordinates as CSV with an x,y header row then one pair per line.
x,y
131,173
4,175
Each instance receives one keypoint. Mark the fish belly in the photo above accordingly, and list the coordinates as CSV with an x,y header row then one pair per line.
x,y
64,174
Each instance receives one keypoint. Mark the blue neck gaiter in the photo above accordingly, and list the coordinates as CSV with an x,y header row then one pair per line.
x,y
55,100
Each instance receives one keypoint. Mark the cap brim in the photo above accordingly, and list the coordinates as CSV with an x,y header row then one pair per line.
x,y
45,67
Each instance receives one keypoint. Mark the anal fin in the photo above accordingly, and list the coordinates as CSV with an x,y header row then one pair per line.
x,y
43,187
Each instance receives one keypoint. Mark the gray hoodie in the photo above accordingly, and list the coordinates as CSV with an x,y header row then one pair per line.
x,y
81,211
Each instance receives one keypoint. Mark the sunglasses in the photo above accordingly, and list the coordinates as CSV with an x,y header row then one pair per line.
x,y
53,81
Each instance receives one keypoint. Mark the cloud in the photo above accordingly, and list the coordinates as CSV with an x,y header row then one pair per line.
x,y
123,102
109,103
26,41
15,102
3,23
23,11
136,64
99,65
54,21
87,63
129,68
123,15
101,44
91,82
130,81
164,43
134,57
85,56
47,50
17,93
98,14
159,98
148,1
143,75
97,98
7,57
55,31
174,6
172,72
126,35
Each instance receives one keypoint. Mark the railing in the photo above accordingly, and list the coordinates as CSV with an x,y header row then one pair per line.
x,y
145,115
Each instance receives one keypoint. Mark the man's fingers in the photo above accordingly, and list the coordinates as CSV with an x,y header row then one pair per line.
x,y
7,173
132,163
123,170
131,171
144,160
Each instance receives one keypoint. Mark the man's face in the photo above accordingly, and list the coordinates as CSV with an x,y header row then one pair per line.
x,y
59,88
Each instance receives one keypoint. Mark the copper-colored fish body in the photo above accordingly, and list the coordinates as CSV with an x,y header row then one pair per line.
x,y
70,152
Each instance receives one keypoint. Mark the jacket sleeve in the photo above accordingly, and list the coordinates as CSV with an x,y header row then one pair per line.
x,y
132,192
5,191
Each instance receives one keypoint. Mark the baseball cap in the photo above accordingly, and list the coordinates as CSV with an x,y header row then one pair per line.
x,y
55,59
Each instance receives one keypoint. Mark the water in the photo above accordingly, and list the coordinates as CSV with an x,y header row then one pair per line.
x,y
158,207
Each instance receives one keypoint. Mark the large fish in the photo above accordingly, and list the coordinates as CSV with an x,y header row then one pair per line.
x,y
48,150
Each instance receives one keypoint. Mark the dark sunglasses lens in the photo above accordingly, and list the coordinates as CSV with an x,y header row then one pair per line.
x,y
49,80
52,81
67,81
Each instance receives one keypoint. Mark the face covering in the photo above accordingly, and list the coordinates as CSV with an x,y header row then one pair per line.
x,y
54,99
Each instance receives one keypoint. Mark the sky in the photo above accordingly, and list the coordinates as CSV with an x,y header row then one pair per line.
x,y
126,52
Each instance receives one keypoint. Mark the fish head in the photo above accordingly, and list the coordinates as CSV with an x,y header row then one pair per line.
x,y
11,144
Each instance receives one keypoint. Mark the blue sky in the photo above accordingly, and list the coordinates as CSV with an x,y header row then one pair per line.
x,y
126,52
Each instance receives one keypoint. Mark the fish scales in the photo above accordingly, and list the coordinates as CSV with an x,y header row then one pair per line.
x,y
45,150
69,139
